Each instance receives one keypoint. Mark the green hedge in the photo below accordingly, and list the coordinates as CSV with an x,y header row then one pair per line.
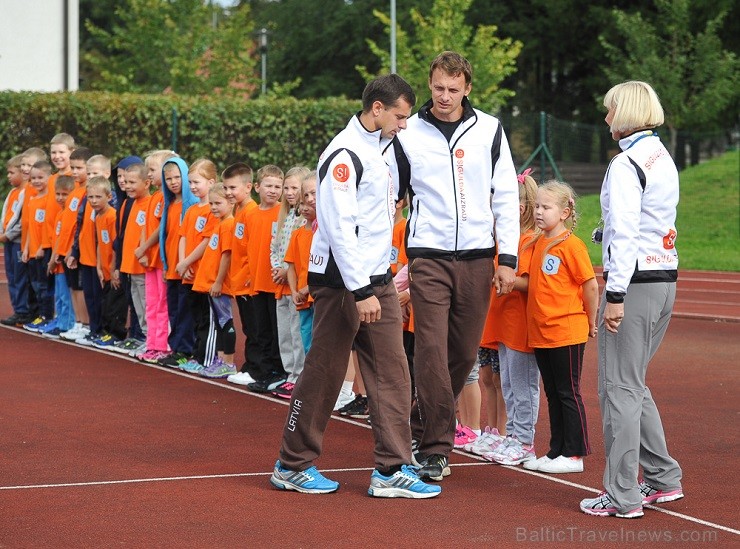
x,y
285,132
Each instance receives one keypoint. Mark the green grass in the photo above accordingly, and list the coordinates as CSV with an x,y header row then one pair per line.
x,y
708,216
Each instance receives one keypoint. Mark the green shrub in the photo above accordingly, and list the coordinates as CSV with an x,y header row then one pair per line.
x,y
285,132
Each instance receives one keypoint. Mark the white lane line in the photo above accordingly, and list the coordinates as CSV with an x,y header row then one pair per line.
x,y
360,423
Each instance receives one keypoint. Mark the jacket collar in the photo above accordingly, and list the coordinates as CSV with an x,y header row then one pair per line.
x,y
629,140
372,137
468,111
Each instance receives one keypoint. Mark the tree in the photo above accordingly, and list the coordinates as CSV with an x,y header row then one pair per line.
x,y
492,58
694,76
177,45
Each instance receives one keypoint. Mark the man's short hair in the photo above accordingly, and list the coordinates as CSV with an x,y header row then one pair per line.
x,y
269,170
387,89
453,64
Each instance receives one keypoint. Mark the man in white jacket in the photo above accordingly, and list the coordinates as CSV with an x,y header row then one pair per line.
x,y
355,301
463,182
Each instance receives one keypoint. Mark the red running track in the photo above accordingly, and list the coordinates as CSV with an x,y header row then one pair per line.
x,y
97,450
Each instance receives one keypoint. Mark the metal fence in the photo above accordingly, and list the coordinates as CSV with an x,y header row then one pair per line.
x,y
579,153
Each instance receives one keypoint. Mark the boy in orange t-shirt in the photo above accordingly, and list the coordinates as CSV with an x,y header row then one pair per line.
x,y
195,230
10,236
33,251
237,180
62,251
64,318
212,279
264,363
137,189
84,254
177,201
111,300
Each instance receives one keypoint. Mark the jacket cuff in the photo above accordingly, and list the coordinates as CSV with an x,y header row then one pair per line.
x,y
361,294
615,297
507,260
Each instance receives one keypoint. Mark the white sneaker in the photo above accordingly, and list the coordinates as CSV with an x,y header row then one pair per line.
x,y
77,331
535,464
343,399
514,453
137,350
240,378
488,441
562,464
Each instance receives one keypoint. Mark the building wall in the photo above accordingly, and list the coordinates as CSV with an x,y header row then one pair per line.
x,y
39,51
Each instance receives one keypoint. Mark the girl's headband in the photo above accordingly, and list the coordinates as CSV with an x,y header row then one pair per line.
x,y
522,175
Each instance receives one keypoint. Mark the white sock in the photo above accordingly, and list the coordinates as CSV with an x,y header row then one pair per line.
x,y
347,387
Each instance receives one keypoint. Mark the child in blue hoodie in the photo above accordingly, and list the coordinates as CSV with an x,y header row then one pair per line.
x,y
177,200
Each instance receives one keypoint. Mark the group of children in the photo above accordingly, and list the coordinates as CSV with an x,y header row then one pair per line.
x,y
153,265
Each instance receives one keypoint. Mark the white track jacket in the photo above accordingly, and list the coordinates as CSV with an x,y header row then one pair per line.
x,y
638,205
457,188
355,207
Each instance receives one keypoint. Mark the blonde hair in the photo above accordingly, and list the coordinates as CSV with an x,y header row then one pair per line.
x,y
635,105
37,153
102,161
64,139
100,182
160,157
269,170
298,172
218,190
565,197
65,183
527,197
138,169
204,167
15,162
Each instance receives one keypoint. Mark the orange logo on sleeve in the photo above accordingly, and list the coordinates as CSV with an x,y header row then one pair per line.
x,y
341,172
669,240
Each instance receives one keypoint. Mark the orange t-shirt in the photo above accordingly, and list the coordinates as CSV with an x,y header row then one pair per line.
x,y
36,224
398,246
507,316
52,209
298,253
13,203
218,243
88,255
132,236
25,216
153,217
239,270
172,239
259,227
197,225
555,308
105,231
66,235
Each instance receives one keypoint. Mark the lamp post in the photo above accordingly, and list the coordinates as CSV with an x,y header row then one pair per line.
x,y
393,36
263,54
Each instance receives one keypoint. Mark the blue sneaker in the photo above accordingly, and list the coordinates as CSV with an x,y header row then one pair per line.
x,y
105,342
35,324
48,326
401,484
192,367
309,481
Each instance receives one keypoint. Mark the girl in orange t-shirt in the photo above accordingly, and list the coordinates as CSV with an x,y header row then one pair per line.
x,y
212,279
561,312
520,378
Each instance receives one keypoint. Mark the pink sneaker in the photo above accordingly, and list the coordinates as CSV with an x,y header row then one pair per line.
x,y
151,357
464,435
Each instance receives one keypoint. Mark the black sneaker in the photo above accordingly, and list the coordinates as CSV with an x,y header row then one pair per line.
x,y
267,385
12,320
173,360
357,408
435,467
